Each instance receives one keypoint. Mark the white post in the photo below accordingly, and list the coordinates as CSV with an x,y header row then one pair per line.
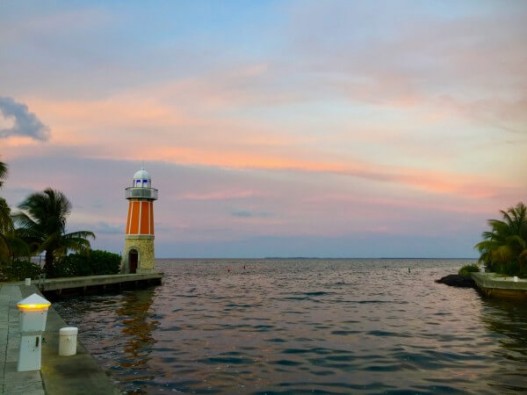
x,y
68,341
33,316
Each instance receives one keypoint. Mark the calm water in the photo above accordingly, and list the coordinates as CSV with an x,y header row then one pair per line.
x,y
304,327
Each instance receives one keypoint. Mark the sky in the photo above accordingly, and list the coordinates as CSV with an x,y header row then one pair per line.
x,y
271,128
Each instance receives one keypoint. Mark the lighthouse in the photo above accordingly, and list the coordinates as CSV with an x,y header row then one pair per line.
x,y
138,254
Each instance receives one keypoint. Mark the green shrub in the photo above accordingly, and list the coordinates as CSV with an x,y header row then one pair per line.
x,y
19,270
104,262
467,269
95,262
72,265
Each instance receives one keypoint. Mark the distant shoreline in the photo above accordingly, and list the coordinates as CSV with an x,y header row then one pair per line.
x,y
318,258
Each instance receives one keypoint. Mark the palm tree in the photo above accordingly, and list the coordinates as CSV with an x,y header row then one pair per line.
x,y
504,247
3,173
43,226
6,227
6,224
11,245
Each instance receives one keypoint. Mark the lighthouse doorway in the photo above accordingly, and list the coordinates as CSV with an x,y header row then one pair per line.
x,y
133,259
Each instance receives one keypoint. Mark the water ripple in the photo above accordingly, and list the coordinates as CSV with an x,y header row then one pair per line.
x,y
305,326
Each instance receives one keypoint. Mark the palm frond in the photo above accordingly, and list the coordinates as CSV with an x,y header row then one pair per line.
x,y
42,222
6,223
3,173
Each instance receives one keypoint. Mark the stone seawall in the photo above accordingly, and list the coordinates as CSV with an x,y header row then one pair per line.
x,y
94,284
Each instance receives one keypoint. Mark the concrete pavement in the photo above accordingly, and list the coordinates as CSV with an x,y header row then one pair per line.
x,y
11,381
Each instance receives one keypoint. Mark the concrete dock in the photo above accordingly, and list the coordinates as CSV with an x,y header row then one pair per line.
x,y
73,375
499,285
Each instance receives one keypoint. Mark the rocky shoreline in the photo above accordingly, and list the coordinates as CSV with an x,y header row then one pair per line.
x,y
455,280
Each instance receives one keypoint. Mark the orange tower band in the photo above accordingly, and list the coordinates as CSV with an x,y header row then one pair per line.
x,y
140,218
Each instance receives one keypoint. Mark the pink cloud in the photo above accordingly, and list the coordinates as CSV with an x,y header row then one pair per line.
x,y
118,131
219,195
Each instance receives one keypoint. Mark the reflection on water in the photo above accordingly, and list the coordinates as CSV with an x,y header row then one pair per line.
x,y
507,320
118,330
305,326
138,326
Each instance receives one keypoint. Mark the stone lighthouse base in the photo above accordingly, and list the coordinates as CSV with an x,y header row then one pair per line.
x,y
138,254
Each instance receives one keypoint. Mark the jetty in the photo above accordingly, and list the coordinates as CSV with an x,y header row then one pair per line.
x,y
499,285
97,284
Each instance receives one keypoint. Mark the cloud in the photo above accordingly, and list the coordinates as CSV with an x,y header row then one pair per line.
x,y
465,54
249,214
419,159
106,228
219,195
24,123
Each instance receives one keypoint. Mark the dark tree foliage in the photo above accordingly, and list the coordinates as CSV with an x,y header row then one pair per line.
x,y
42,224
504,247
95,262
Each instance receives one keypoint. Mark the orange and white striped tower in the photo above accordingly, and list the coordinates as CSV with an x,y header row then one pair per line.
x,y
138,254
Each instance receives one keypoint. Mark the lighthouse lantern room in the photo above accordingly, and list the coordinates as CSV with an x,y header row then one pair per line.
x,y
138,254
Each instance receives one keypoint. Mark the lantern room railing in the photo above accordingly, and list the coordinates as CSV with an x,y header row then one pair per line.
x,y
141,193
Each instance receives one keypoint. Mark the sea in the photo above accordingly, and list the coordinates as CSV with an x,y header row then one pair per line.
x,y
305,326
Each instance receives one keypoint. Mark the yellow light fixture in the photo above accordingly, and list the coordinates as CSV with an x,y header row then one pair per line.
x,y
33,303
